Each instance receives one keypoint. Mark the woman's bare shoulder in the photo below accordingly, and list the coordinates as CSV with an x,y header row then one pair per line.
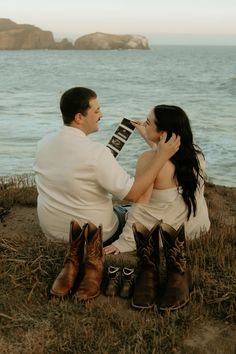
x,y
165,178
144,159
148,154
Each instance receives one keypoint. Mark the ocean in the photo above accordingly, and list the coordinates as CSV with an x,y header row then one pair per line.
x,y
200,79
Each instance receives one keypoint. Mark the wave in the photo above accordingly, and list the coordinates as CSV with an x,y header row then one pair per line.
x,y
229,86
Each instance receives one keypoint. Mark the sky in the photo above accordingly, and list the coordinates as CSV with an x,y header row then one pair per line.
x,y
159,20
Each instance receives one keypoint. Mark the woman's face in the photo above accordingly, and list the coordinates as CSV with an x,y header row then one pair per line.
x,y
151,129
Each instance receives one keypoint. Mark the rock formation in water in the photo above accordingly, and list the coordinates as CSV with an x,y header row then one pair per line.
x,y
15,36
100,40
63,44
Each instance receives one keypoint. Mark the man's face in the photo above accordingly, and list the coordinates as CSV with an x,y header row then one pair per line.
x,y
89,122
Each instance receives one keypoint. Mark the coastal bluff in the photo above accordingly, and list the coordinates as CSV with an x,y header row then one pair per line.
x,y
15,36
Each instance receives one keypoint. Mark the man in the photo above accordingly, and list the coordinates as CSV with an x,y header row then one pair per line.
x,y
76,177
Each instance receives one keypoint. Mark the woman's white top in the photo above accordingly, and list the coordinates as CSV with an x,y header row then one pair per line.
x,y
166,205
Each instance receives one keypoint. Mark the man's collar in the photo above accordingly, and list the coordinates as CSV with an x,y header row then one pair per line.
x,y
73,130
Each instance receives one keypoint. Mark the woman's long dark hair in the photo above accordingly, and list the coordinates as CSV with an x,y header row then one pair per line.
x,y
173,119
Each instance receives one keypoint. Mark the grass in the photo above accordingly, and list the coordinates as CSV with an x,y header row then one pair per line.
x,y
33,322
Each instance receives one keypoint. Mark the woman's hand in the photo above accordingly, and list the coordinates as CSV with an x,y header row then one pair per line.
x,y
169,148
111,250
140,126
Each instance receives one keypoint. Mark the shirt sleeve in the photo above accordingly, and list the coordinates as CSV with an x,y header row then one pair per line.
x,y
111,176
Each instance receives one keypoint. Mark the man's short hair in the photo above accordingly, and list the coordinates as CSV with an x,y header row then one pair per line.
x,y
75,100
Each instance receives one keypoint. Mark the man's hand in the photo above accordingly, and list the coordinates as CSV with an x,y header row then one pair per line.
x,y
111,250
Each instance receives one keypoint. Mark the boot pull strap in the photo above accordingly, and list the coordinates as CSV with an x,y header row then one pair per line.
x,y
75,230
139,228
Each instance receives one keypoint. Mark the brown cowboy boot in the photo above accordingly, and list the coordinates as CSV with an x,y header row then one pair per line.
x,y
90,285
179,281
147,280
73,260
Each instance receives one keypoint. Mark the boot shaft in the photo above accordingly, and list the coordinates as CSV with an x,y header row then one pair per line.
x,y
174,245
75,252
147,244
94,246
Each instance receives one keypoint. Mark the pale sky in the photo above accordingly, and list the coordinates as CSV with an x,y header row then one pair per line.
x,y
161,17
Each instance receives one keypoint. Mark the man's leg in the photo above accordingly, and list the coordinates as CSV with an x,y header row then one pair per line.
x,y
121,211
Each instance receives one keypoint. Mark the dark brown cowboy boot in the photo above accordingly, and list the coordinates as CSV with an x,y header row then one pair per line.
x,y
90,285
73,260
179,281
147,280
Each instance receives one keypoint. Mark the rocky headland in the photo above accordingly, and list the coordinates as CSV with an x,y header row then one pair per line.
x,y
15,36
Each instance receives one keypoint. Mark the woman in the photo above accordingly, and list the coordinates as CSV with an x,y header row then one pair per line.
x,y
177,195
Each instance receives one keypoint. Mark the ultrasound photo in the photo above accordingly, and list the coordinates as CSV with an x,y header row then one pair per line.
x,y
123,133
117,143
127,123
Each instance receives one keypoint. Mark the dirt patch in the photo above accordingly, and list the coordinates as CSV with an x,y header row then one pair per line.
x,y
212,337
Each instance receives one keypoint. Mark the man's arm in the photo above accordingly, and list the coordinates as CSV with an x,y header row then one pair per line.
x,y
145,179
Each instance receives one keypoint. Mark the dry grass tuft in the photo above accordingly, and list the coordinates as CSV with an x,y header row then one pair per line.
x,y
17,190
33,322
